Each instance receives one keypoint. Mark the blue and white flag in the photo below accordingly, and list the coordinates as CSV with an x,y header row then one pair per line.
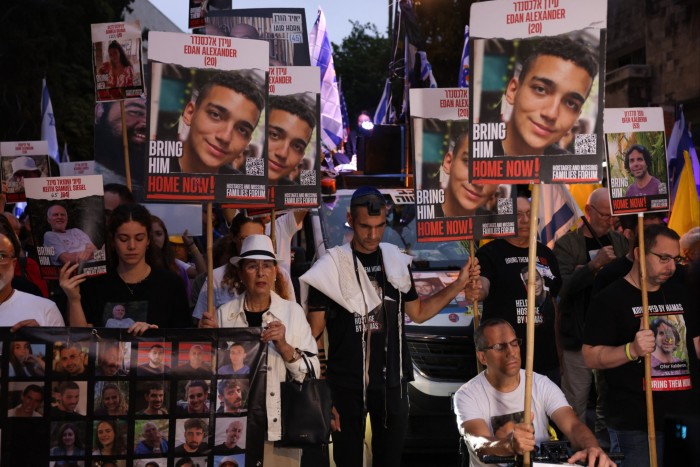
x,y
48,125
426,71
384,112
558,212
322,56
463,81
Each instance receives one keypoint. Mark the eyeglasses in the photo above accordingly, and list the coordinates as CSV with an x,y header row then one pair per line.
x,y
663,259
265,266
604,216
502,346
5,258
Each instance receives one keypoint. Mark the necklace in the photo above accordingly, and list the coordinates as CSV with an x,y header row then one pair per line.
x,y
246,307
132,289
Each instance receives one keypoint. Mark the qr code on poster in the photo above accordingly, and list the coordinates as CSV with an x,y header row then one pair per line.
x,y
308,177
505,206
255,166
585,144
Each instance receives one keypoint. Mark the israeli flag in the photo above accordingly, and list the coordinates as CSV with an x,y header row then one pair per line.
x,y
48,125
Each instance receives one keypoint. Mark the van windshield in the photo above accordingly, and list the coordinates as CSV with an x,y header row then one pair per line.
x,y
400,230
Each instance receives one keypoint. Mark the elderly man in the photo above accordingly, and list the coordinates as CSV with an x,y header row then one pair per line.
x,y
489,407
690,245
152,442
614,341
69,245
581,254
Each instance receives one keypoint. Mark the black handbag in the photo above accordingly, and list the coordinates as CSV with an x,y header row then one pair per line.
x,y
306,410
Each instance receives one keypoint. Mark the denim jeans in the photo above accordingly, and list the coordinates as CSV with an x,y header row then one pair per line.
x,y
635,446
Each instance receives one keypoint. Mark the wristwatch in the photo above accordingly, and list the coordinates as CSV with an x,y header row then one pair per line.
x,y
295,356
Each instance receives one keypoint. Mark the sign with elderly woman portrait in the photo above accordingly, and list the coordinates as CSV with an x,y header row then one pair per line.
x,y
637,169
116,55
20,160
448,206
68,223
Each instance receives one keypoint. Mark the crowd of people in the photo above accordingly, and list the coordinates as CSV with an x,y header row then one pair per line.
x,y
587,321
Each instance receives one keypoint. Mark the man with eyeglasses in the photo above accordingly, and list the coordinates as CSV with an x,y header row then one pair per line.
x,y
581,254
18,309
361,292
614,342
502,262
489,407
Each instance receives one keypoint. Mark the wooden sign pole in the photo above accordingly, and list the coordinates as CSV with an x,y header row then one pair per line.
x,y
210,261
475,308
125,143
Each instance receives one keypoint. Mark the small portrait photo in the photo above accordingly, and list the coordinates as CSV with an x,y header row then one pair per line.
x,y
113,358
235,460
151,436
541,290
230,435
232,396
109,437
25,399
637,164
152,397
68,439
192,437
233,358
124,315
109,463
189,461
70,358
16,169
194,359
193,397
159,462
26,360
68,399
427,286
67,463
111,398
154,358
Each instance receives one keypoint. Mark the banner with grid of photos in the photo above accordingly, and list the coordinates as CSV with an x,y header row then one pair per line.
x,y
101,397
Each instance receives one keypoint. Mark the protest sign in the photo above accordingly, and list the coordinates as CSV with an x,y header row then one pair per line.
x,y
537,71
206,112
20,160
283,28
146,390
636,150
116,55
448,206
68,223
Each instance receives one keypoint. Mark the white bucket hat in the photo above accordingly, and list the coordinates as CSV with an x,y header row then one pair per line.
x,y
256,247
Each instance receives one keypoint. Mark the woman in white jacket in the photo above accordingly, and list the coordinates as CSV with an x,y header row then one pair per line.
x,y
286,332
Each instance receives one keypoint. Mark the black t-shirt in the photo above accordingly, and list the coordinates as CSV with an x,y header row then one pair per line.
x,y
253,318
613,320
610,273
505,266
345,333
159,299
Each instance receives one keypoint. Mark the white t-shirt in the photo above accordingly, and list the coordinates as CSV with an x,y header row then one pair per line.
x,y
477,399
286,227
70,241
21,306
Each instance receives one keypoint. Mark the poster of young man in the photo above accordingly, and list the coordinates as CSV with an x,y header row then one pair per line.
x,y
116,55
283,28
636,150
537,81
448,206
206,110
20,160
68,223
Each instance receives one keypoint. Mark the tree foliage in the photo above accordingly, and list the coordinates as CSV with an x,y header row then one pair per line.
x,y
362,62
51,39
